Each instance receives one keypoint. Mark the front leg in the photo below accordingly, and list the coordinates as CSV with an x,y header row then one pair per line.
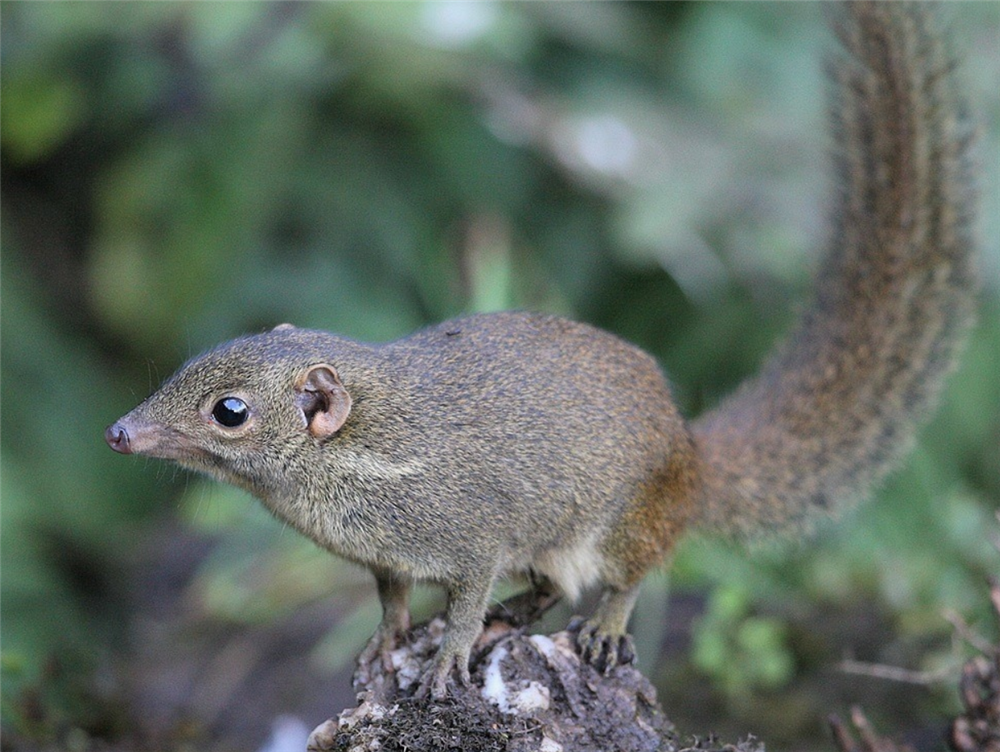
x,y
466,606
394,594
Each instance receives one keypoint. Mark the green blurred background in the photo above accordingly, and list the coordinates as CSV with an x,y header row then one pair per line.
x,y
176,174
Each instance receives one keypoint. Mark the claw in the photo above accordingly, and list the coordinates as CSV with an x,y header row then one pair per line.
x,y
626,650
602,651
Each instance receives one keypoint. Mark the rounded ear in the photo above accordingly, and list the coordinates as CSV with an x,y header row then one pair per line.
x,y
324,401
283,327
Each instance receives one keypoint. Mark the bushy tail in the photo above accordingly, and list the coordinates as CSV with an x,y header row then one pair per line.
x,y
838,404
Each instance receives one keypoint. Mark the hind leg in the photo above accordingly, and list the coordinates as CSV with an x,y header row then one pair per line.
x,y
602,639
641,540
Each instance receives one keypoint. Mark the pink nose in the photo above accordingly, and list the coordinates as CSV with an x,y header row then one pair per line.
x,y
117,438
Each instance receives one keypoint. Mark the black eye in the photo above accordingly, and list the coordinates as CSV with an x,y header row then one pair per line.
x,y
230,412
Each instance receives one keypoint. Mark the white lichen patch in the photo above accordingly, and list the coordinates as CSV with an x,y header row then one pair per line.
x,y
544,645
494,688
534,697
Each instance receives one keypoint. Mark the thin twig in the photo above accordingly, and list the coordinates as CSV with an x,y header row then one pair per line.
x,y
868,740
895,673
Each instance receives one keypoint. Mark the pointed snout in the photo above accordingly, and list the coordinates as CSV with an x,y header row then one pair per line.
x,y
118,439
135,434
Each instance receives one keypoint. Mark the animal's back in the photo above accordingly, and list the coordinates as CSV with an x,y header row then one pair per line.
x,y
552,414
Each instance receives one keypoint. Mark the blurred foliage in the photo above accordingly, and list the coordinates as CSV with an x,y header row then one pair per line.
x,y
174,174
740,651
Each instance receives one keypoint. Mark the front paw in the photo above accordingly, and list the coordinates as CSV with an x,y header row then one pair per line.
x,y
434,683
378,652
600,649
